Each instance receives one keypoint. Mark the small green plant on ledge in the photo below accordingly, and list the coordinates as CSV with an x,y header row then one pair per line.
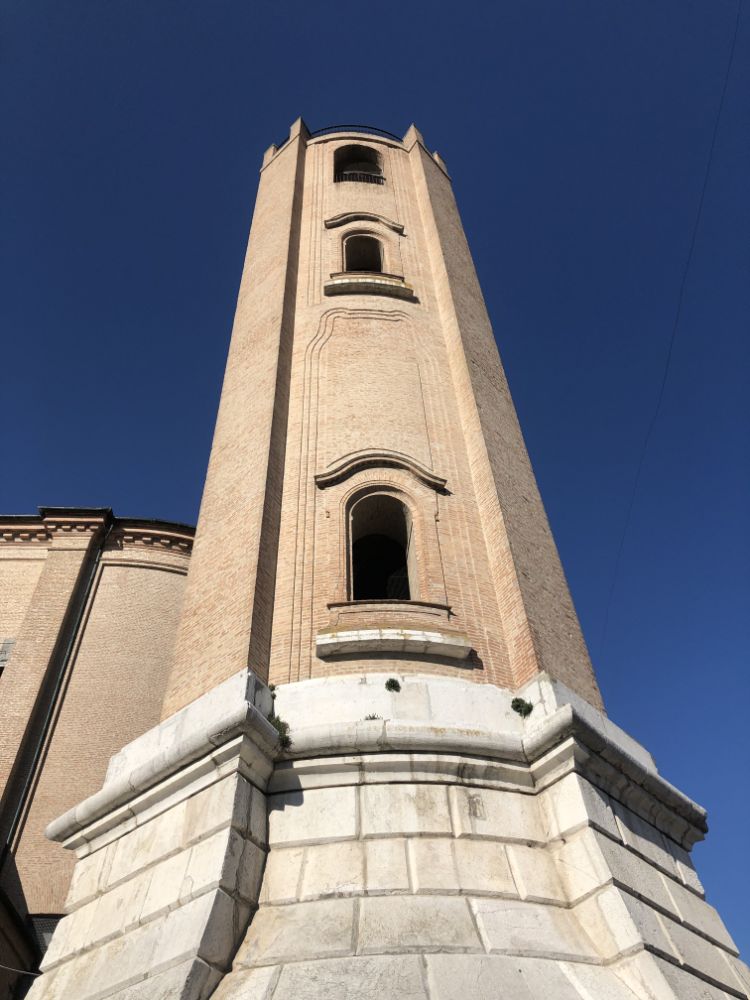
x,y
372,717
524,708
281,727
392,684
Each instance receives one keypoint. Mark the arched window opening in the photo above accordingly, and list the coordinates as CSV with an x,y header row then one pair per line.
x,y
357,163
363,253
381,551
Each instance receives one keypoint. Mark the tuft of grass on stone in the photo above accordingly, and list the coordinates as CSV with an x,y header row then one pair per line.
x,y
281,727
392,685
372,717
524,708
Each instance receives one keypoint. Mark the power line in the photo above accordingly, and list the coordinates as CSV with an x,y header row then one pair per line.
x,y
673,335
21,972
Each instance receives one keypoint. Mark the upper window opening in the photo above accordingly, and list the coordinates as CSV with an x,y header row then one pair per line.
x,y
357,163
363,253
381,550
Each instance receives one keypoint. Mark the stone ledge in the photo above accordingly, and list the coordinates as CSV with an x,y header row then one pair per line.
x,y
562,742
369,284
392,640
191,735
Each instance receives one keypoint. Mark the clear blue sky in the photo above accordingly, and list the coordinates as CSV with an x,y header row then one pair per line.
x,y
577,134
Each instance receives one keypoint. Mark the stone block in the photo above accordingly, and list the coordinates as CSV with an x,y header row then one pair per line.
x,y
58,984
257,813
214,862
496,977
215,807
57,950
701,956
250,873
572,803
203,928
483,867
193,979
385,866
313,816
433,864
367,977
147,844
644,838
333,870
223,930
519,928
165,887
685,986
685,868
403,809
487,812
402,923
241,984
741,971
73,934
655,930
597,983
282,875
605,919
87,874
638,876
119,909
535,873
697,913
298,931
580,864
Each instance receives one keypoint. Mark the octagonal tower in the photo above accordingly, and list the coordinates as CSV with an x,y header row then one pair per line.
x,y
383,768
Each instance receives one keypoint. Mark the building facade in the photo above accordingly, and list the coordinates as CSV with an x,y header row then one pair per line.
x,y
381,766
89,605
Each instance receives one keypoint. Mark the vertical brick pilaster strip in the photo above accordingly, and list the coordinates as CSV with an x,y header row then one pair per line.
x,y
29,678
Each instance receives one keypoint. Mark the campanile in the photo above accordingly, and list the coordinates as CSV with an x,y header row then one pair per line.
x,y
383,767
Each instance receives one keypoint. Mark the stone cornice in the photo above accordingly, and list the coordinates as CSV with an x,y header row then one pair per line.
x,y
336,753
58,522
565,741
152,534
19,530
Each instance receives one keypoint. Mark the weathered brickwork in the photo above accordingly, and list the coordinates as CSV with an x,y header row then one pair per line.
x,y
404,395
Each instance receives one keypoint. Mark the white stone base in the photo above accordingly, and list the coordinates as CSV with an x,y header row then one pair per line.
x,y
450,849
171,855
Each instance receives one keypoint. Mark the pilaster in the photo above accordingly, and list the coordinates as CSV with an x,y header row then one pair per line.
x,y
71,537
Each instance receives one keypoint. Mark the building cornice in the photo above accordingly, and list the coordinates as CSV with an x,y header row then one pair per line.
x,y
51,522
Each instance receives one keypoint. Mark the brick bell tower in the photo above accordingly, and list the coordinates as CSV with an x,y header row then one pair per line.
x,y
383,768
